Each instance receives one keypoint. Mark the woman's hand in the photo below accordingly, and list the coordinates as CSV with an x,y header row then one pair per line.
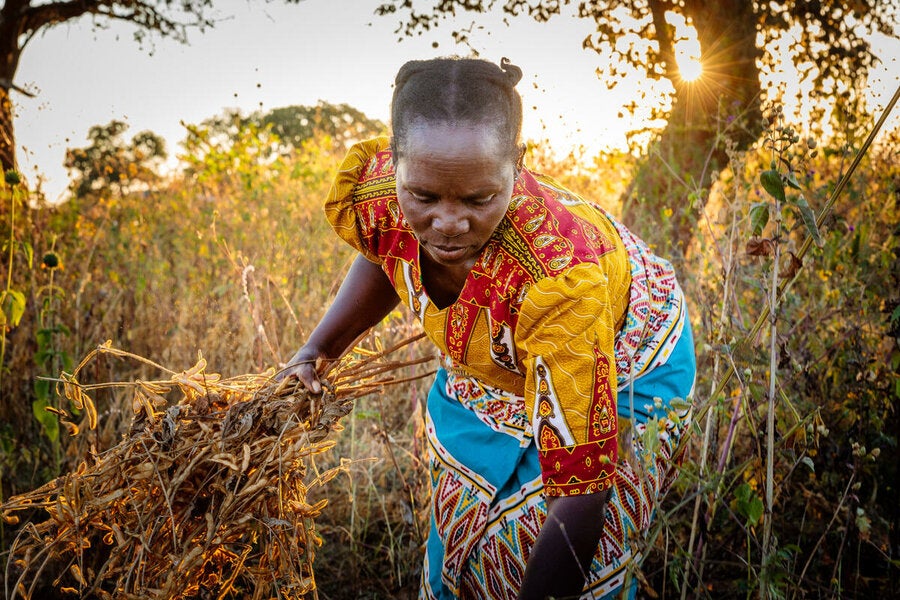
x,y
303,366
365,297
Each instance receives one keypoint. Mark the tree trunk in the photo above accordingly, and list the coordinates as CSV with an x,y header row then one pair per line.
x,y
10,51
667,196
7,133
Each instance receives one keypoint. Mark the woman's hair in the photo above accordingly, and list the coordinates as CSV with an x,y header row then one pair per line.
x,y
458,91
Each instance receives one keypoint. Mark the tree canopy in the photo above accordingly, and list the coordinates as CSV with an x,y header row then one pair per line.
x,y
829,44
829,39
296,124
110,162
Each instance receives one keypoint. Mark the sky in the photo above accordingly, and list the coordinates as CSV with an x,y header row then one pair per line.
x,y
263,55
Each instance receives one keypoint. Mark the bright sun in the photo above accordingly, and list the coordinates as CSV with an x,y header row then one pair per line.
x,y
687,47
689,67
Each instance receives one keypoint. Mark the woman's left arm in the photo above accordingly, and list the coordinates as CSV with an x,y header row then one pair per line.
x,y
562,555
566,329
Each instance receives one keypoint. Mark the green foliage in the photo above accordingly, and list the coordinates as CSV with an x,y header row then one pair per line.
x,y
51,357
244,157
748,504
13,305
280,132
809,218
771,182
834,391
759,217
12,300
49,421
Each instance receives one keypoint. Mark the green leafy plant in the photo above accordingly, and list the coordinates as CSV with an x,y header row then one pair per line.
x,y
780,140
51,357
12,301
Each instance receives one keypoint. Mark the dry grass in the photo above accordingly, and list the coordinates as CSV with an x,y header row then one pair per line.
x,y
204,497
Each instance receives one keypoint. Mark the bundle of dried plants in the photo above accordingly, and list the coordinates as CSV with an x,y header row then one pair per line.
x,y
204,497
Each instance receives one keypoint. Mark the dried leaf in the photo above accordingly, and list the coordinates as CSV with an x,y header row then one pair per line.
x,y
757,246
791,265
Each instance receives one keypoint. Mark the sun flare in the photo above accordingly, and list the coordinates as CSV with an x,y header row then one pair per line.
x,y
689,68
687,48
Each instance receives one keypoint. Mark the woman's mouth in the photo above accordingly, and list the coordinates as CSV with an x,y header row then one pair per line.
x,y
447,253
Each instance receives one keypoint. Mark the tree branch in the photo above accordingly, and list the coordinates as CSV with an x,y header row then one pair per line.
x,y
9,85
666,49
44,15
143,14
11,8
9,18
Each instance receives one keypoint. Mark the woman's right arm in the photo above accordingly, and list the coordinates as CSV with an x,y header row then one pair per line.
x,y
365,297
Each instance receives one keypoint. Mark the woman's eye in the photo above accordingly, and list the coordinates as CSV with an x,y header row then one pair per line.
x,y
483,201
424,198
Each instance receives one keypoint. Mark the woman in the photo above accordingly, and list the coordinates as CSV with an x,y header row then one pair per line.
x,y
558,331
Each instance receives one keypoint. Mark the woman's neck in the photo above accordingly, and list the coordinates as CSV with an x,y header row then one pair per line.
x,y
442,283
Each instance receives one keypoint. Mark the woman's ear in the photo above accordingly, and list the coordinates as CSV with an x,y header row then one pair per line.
x,y
520,161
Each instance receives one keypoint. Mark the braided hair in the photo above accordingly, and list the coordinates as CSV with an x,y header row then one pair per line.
x,y
457,91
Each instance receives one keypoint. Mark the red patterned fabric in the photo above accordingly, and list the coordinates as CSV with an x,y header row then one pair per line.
x,y
537,315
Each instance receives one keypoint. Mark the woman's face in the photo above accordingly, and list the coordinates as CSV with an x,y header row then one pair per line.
x,y
454,184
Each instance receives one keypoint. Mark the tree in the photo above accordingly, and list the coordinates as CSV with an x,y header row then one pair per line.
x,y
296,124
233,147
830,48
111,163
343,123
21,20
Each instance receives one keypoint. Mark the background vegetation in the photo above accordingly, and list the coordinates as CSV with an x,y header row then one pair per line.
x,y
232,256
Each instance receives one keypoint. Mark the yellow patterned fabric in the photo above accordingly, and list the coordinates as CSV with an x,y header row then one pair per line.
x,y
537,316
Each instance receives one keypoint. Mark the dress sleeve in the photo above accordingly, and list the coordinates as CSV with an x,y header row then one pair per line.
x,y
341,208
567,328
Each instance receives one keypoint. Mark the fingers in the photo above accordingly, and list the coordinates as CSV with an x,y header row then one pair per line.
x,y
302,366
307,375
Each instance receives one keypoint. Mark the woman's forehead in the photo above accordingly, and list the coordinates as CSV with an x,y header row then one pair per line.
x,y
453,140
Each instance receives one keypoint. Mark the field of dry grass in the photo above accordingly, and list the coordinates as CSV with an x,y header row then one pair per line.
x,y
238,262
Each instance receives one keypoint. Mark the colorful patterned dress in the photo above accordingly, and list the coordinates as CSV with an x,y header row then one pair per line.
x,y
568,338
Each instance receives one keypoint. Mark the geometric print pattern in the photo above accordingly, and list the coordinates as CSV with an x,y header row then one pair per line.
x,y
551,283
459,505
502,412
655,309
496,564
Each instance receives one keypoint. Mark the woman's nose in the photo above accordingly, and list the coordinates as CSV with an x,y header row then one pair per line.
x,y
450,222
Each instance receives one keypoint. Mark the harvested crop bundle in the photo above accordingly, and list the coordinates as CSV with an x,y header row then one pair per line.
x,y
204,497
